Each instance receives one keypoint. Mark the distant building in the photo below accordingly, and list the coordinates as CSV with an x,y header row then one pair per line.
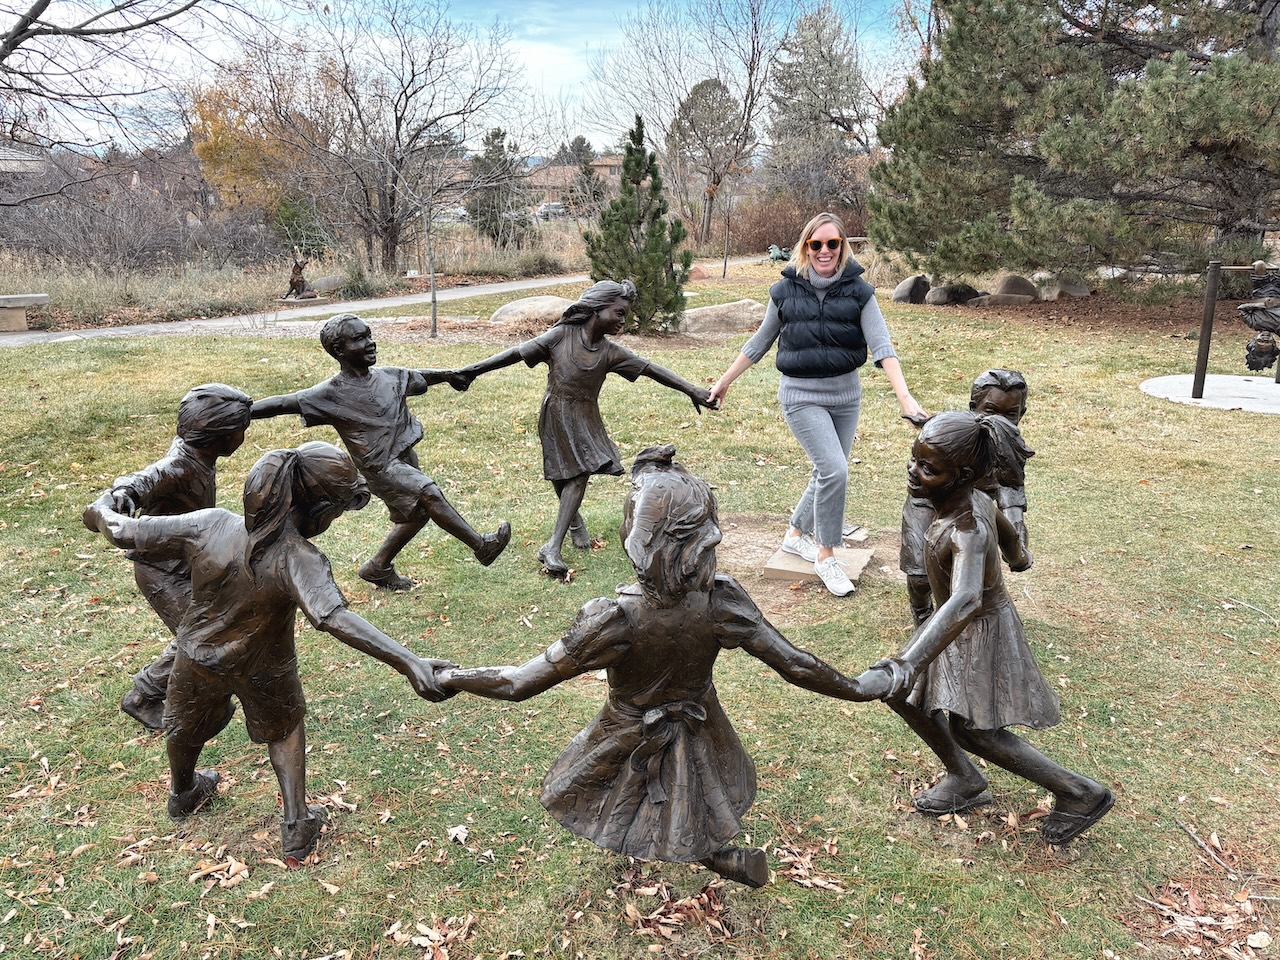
x,y
15,160
550,182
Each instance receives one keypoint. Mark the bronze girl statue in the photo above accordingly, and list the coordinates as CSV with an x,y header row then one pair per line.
x,y
579,355
660,773
968,674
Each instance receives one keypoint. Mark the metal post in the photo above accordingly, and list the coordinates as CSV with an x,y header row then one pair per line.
x,y
1206,329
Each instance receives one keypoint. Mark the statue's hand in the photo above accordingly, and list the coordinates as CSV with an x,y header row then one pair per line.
x,y
1025,563
460,380
887,679
422,676
114,526
124,500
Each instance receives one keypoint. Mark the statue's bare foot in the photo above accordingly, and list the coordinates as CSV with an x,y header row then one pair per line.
x,y
579,534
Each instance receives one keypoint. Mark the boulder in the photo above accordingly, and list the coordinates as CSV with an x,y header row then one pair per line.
x,y
737,317
698,272
1073,286
950,293
327,284
1001,300
1016,285
912,289
532,311
1112,273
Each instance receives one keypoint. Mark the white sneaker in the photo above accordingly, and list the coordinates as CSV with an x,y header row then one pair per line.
x,y
834,577
801,546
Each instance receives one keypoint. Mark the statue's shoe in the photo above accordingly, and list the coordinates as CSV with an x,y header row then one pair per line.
x,y
181,805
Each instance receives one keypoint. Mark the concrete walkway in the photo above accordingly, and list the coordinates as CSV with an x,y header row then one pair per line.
x,y
259,323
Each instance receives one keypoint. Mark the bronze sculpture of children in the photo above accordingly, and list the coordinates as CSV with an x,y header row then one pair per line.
x,y
366,405
1002,394
968,674
575,445
249,578
660,772
212,419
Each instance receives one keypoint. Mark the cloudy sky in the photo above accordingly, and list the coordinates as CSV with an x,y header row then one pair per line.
x,y
555,40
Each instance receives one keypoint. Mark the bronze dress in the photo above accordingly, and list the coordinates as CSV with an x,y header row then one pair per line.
x,y
988,674
660,773
574,439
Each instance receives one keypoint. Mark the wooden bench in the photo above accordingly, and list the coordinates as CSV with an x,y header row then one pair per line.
x,y
13,309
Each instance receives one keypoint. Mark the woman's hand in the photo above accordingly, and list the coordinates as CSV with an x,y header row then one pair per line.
x,y
911,410
716,395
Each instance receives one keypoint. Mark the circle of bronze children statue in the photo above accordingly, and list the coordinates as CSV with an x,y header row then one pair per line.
x,y
659,773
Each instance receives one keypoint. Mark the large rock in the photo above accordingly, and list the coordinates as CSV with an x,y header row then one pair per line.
x,y
1070,286
532,311
1001,300
912,289
950,293
1053,286
737,317
1016,285
327,284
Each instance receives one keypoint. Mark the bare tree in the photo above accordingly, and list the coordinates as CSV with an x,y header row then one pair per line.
x,y
377,121
670,48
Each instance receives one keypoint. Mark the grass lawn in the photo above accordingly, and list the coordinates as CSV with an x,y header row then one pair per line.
x,y
1152,607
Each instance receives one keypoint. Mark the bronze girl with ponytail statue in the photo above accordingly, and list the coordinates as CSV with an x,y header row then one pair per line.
x,y
249,577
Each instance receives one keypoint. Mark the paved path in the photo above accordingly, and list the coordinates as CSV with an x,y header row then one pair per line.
x,y
1257,394
263,322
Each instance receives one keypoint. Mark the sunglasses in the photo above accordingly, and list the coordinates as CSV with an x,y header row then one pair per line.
x,y
833,244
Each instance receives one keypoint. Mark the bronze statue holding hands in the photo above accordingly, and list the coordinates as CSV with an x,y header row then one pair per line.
x,y
968,674
212,419
249,578
366,405
660,772
575,445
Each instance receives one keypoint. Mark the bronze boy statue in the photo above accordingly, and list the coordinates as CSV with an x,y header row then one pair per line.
x,y
660,773
968,674
366,405
579,355
212,419
249,578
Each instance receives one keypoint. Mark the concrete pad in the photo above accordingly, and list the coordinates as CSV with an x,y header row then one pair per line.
x,y
787,566
1253,394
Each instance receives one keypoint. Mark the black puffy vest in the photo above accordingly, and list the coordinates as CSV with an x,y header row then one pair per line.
x,y
821,339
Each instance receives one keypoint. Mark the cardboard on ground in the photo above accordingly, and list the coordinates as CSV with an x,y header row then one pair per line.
x,y
787,566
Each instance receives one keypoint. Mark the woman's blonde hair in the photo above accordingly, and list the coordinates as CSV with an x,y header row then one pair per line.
x,y
800,255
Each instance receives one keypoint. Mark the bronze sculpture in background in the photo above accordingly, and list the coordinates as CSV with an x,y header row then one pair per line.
x,y
998,393
968,674
660,773
212,419
1263,317
366,405
575,445
249,578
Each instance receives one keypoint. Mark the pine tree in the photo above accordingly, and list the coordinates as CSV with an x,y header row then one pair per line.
x,y
637,241
1045,134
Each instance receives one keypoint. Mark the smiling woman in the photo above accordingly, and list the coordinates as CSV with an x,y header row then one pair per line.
x,y
826,321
